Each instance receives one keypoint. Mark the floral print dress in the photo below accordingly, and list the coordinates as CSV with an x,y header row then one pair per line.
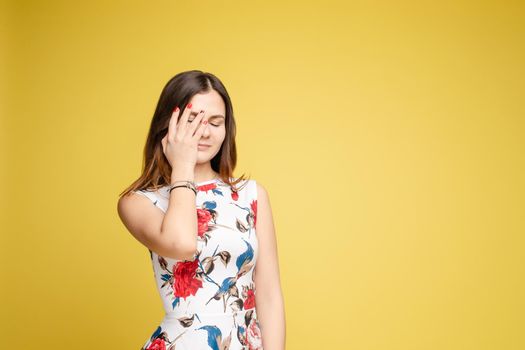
x,y
209,301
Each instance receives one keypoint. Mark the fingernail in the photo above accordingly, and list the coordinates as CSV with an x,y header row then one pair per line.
x,y
189,105
176,109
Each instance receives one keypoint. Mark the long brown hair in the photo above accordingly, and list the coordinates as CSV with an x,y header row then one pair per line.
x,y
178,91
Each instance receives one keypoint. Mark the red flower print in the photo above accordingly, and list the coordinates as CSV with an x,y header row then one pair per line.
x,y
249,302
253,335
185,282
203,217
207,187
235,195
253,205
157,344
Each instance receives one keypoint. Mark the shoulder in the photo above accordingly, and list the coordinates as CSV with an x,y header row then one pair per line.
x,y
137,200
128,204
260,190
153,196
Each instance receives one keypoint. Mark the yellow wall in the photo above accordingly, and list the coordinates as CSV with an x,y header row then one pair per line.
x,y
389,134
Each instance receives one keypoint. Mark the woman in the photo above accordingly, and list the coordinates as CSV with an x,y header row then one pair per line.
x,y
210,236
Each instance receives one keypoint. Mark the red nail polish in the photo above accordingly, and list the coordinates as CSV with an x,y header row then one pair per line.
x,y
176,109
189,105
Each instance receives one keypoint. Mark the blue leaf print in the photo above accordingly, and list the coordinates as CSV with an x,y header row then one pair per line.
x,y
209,205
242,330
223,289
175,302
217,191
245,257
156,333
214,336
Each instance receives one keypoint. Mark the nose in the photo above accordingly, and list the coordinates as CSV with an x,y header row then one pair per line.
x,y
206,131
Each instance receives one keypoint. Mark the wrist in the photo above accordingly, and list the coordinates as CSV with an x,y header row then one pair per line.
x,y
182,175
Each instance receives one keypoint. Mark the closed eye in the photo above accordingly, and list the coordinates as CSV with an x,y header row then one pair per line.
x,y
210,123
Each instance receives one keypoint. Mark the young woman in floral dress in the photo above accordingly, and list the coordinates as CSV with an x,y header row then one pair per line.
x,y
210,236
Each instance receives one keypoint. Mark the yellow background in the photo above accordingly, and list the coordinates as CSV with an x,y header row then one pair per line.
x,y
389,135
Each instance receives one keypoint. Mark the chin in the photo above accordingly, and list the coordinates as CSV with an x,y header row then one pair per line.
x,y
204,156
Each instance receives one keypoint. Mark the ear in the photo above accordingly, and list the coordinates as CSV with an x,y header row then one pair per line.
x,y
163,142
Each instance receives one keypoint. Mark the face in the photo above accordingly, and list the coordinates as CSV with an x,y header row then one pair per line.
x,y
215,111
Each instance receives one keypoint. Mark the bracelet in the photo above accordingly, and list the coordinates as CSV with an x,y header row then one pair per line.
x,y
195,191
191,183
188,184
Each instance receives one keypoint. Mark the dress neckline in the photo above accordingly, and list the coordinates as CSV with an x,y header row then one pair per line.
x,y
200,183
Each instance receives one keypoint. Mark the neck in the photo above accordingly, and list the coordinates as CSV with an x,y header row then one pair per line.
x,y
204,172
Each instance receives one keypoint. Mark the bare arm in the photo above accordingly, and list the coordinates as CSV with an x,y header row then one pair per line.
x,y
172,234
181,216
268,297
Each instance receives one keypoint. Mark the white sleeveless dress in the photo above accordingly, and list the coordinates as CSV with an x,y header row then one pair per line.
x,y
210,300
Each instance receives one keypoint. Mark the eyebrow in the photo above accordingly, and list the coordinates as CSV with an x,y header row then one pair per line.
x,y
212,116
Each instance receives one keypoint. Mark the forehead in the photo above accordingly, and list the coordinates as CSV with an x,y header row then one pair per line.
x,y
211,102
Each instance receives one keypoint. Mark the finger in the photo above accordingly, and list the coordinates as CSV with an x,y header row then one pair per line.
x,y
195,123
202,127
181,124
173,122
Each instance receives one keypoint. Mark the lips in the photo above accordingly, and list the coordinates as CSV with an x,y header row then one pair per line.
x,y
203,147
